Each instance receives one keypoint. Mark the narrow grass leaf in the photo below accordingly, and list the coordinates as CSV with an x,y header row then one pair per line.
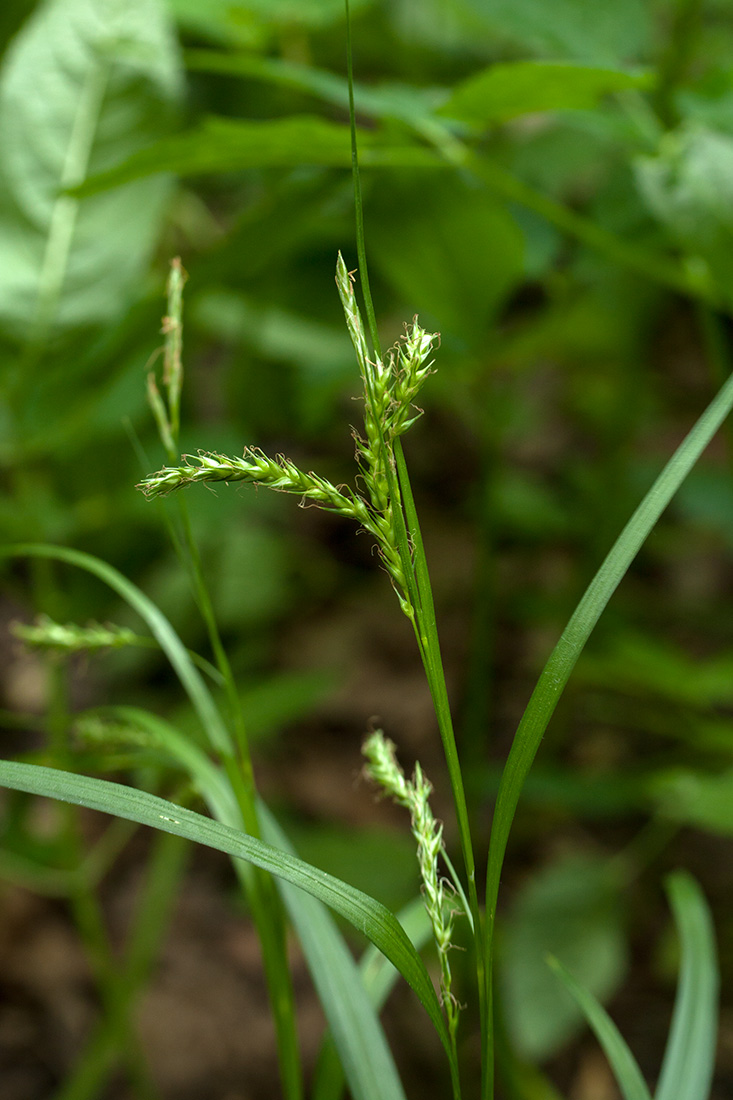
x,y
570,910
159,626
207,778
427,625
689,1059
264,904
379,978
625,1067
360,1042
367,915
357,1035
557,671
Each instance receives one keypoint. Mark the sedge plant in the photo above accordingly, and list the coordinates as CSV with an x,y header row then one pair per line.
x,y
381,503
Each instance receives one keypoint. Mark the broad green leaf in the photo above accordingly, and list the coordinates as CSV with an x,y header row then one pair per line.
x,y
556,672
569,910
232,145
625,1067
689,1058
368,916
504,91
83,85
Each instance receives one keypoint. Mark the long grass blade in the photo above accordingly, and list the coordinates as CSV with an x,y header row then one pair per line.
x,y
367,915
264,903
158,625
360,1042
362,1048
557,671
689,1059
625,1067
378,977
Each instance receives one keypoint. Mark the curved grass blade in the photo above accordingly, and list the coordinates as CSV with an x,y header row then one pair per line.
x,y
367,915
362,1048
556,672
360,1041
625,1067
378,977
206,777
689,1058
159,626
265,905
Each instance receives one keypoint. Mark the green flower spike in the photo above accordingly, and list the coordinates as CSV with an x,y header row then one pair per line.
x,y
383,769
389,391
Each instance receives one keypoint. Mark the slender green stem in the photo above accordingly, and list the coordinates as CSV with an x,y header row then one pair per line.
x,y
358,201
161,886
414,566
426,631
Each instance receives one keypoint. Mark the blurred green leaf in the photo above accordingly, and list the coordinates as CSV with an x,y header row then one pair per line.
x,y
358,856
688,186
282,699
504,91
81,86
254,23
454,255
689,1058
232,145
568,910
701,800
707,501
624,1065
296,13
410,104
642,665
367,915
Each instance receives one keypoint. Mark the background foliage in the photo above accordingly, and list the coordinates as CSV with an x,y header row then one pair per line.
x,y
549,185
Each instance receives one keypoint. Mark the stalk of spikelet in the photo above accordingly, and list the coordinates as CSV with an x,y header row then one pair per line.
x,y
382,767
